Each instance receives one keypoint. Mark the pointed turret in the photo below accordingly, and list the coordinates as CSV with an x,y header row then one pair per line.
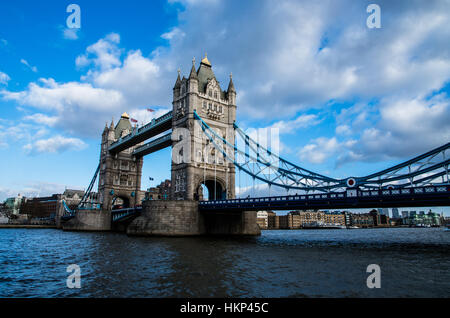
x,y
231,85
178,81
112,124
193,74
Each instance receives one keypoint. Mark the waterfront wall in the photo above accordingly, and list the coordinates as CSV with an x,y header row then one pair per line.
x,y
89,220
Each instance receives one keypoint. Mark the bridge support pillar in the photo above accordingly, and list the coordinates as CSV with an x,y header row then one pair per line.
x,y
182,218
168,218
226,223
89,220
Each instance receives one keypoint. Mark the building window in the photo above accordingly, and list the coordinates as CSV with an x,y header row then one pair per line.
x,y
210,93
204,105
215,94
220,109
209,106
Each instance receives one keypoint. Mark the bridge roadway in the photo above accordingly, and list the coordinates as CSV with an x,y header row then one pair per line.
x,y
152,129
406,197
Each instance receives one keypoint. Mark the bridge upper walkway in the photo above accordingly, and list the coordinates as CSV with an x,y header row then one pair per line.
x,y
152,129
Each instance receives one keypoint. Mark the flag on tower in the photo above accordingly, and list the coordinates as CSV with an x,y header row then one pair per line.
x,y
133,120
150,110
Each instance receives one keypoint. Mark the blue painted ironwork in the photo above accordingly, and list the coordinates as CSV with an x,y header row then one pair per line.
x,y
68,212
153,128
419,196
431,168
84,200
123,214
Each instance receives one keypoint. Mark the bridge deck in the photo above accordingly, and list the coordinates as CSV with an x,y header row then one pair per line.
x,y
154,145
152,129
408,197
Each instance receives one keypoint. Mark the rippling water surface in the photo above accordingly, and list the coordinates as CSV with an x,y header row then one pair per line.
x,y
309,263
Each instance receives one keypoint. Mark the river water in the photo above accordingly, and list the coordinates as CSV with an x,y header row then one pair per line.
x,y
414,262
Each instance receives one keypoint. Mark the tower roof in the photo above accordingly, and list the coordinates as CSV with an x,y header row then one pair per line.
x,y
206,61
204,73
123,124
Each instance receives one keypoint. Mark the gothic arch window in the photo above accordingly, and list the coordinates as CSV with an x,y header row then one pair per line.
x,y
220,108
210,93
183,89
215,107
210,106
204,105
215,94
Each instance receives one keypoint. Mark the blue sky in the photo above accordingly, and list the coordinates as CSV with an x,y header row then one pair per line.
x,y
348,100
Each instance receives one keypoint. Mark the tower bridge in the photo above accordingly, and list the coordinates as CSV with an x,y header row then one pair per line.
x,y
206,153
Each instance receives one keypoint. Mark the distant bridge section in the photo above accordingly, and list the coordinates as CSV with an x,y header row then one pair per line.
x,y
152,129
351,199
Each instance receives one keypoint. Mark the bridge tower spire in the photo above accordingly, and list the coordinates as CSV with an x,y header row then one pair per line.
x,y
196,165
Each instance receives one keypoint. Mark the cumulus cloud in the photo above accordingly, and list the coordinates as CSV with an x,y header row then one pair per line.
x,y
287,57
406,128
56,144
114,83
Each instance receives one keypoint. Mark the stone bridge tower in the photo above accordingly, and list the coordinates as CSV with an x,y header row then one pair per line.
x,y
120,174
196,165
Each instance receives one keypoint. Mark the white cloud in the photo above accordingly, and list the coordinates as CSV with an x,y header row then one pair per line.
x,y
55,144
286,57
173,34
70,34
343,130
4,78
12,132
319,150
302,121
42,119
104,54
34,189
32,68
109,88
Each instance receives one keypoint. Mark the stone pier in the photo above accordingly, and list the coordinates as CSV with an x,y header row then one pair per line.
x,y
89,220
168,218
182,218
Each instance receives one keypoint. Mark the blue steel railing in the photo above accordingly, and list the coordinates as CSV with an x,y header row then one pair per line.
x,y
333,195
151,125
120,214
